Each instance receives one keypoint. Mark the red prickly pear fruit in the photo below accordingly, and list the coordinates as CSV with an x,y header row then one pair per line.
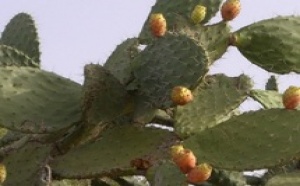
x,y
200,173
198,14
181,95
291,97
185,160
230,9
158,25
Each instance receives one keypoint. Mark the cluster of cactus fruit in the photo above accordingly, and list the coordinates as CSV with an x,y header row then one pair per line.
x,y
57,132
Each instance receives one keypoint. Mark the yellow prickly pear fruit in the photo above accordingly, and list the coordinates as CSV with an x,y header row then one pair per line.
x,y
200,173
230,9
181,95
291,97
176,149
2,173
198,14
158,25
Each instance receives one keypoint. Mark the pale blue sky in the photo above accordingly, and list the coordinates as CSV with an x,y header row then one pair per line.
x,y
75,32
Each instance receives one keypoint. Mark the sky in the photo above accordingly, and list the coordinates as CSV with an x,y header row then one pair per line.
x,y
74,32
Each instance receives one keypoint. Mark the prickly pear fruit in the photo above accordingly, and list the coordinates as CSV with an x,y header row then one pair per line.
x,y
158,25
185,160
291,97
200,173
176,149
181,95
2,173
198,14
230,9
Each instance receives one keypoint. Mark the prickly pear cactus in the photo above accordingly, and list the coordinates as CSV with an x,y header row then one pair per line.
x,y
123,121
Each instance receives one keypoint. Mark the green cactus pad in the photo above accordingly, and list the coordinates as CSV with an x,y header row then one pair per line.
x,y
36,101
113,152
214,38
214,100
25,166
267,98
119,62
10,56
105,98
289,179
174,60
143,111
271,44
21,34
272,83
166,173
9,137
171,10
253,140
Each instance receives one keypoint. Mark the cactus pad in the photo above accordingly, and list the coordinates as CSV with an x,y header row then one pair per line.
x,y
214,99
24,166
10,56
37,101
253,140
170,61
171,10
214,38
105,98
267,98
119,62
21,34
289,179
113,152
272,83
271,44
166,173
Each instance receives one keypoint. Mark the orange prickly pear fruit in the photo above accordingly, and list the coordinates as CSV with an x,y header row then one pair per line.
x,y
198,14
185,160
158,25
200,173
2,173
230,9
181,95
291,97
